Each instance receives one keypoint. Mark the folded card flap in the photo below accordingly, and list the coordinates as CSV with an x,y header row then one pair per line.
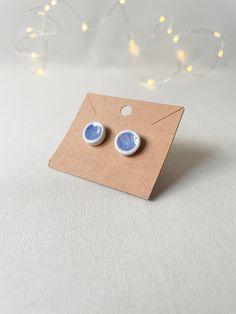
x,y
144,114
163,131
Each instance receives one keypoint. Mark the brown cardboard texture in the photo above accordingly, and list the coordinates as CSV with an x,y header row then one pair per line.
x,y
155,123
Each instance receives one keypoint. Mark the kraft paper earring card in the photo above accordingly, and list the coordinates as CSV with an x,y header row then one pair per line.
x,y
156,124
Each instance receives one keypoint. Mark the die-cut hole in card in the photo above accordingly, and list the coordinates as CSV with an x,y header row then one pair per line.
x,y
155,123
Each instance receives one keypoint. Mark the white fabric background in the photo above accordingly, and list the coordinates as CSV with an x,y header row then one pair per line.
x,y
71,246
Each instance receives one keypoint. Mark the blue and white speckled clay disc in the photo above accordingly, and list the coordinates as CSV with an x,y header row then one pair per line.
x,y
94,133
127,142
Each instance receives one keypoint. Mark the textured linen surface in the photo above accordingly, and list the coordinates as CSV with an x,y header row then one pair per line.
x,y
69,246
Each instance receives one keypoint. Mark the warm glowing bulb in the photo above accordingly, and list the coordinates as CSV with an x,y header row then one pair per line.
x,y
133,48
29,29
181,55
84,27
41,13
40,71
47,7
169,30
217,34
122,1
162,19
175,39
220,53
132,43
189,68
33,35
34,55
151,83
53,3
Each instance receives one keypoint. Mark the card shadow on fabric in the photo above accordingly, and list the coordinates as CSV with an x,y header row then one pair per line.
x,y
183,158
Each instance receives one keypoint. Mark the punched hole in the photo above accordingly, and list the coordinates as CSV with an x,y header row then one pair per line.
x,y
126,110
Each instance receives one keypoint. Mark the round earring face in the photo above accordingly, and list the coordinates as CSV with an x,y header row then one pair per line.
x,y
127,142
94,133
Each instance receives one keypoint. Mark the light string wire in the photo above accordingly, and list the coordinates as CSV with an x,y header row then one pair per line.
x,y
43,12
177,38
166,21
151,82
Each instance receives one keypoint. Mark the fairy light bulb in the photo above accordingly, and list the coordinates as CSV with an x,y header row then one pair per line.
x,y
33,35
133,48
217,34
220,53
84,27
34,55
151,83
162,19
181,55
189,68
41,13
53,3
175,39
40,72
47,7
29,29
169,30
122,1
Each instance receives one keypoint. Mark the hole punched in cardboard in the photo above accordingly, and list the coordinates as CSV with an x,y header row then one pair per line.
x,y
126,110
155,123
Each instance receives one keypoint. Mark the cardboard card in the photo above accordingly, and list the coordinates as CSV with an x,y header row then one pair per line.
x,y
155,123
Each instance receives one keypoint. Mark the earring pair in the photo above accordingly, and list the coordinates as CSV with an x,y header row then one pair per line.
x,y
126,142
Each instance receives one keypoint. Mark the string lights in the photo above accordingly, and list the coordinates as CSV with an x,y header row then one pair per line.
x,y
182,62
164,22
181,54
45,11
32,34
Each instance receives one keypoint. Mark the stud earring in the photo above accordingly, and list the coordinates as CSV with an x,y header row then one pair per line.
x,y
127,142
94,133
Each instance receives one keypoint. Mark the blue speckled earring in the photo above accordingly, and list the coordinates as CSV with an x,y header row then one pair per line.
x,y
94,133
127,142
